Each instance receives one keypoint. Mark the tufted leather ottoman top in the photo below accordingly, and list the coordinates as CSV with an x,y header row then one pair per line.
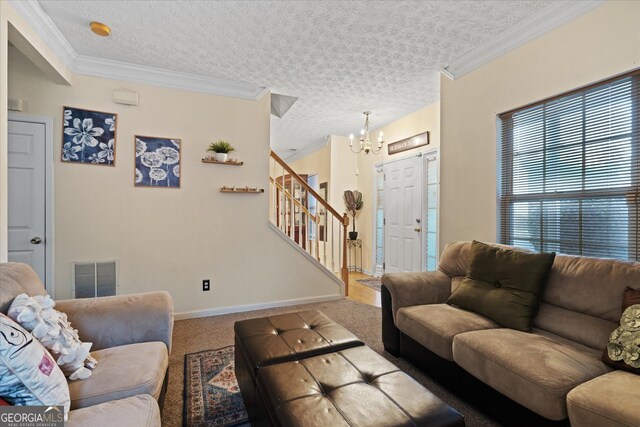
x,y
277,339
353,387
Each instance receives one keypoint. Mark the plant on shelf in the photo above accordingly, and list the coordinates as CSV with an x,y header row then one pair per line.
x,y
353,201
221,150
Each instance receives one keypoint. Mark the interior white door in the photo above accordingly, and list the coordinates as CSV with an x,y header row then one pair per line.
x,y
26,193
403,215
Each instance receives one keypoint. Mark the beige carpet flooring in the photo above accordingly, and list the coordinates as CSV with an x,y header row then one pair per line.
x,y
214,332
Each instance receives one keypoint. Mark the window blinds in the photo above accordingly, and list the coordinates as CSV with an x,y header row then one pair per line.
x,y
569,177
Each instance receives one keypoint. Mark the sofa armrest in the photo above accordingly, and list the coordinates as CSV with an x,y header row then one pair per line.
x,y
122,319
407,289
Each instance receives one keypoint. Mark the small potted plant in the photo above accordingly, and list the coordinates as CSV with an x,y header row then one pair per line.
x,y
221,150
353,201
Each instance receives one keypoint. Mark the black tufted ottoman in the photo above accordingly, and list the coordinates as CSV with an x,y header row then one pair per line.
x,y
303,369
283,338
353,387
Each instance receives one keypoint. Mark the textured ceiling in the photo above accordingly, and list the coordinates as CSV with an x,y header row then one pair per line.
x,y
338,57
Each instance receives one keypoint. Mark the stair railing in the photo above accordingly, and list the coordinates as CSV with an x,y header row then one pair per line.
x,y
307,219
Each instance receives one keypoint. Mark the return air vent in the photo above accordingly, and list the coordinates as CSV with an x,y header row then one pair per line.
x,y
94,279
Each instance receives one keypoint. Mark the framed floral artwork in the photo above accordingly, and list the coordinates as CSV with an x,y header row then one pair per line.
x,y
89,136
157,162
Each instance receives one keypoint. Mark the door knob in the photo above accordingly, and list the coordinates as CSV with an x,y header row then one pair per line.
x,y
36,241
417,229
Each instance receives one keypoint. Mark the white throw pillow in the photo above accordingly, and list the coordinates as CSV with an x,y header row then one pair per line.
x,y
28,374
53,330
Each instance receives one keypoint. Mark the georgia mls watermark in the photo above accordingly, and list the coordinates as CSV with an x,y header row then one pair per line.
x,y
31,416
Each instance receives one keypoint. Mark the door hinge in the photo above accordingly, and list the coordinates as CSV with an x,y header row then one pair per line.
x,y
384,265
384,221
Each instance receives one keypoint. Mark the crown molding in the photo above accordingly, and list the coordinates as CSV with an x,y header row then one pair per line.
x,y
303,152
117,70
534,26
42,24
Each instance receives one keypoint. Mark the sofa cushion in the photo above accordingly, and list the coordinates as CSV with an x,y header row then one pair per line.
x,y
17,278
140,411
590,285
579,327
122,371
496,287
608,400
535,369
435,325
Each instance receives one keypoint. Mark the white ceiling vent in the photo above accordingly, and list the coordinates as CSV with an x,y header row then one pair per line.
x,y
94,279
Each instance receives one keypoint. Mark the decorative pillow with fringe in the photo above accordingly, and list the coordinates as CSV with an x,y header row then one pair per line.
x,y
53,330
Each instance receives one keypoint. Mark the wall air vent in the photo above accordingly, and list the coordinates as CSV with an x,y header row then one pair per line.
x,y
94,279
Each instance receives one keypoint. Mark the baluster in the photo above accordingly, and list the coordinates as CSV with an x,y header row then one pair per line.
x,y
326,239
339,248
333,260
283,208
317,235
293,212
345,271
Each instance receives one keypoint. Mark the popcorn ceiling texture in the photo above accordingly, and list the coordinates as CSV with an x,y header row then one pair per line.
x,y
340,58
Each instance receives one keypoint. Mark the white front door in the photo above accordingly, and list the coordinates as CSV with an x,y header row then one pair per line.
x,y
403,215
26,202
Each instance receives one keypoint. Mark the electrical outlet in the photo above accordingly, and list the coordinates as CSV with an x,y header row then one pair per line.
x,y
206,285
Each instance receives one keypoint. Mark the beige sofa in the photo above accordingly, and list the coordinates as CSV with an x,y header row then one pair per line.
x,y
131,336
555,370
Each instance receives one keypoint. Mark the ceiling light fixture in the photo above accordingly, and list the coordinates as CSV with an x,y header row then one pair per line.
x,y
100,29
365,142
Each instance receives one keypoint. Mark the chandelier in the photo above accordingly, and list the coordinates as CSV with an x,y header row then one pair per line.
x,y
365,141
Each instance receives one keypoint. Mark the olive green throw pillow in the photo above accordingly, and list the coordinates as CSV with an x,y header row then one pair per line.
x,y
504,285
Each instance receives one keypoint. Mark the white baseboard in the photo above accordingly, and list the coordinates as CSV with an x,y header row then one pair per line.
x,y
250,307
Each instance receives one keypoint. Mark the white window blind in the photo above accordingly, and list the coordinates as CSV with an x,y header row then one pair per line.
x,y
569,172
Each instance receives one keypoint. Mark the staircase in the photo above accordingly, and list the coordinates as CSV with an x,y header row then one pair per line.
x,y
307,220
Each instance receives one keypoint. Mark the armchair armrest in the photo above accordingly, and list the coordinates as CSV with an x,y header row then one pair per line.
x,y
407,289
122,319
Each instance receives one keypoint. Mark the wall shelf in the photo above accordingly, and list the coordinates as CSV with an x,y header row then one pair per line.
x,y
228,162
226,189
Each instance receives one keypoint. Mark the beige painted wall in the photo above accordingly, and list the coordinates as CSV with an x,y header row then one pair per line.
x,y
170,239
15,29
318,162
603,43
343,172
426,119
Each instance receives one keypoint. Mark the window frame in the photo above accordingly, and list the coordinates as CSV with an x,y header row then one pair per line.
x,y
505,172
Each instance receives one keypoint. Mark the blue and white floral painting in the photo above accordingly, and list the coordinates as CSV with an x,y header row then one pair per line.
x,y
157,162
89,137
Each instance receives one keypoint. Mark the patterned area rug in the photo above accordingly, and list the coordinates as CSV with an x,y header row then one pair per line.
x,y
211,393
374,283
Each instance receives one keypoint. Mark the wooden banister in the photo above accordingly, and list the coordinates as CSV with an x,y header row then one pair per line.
x,y
307,187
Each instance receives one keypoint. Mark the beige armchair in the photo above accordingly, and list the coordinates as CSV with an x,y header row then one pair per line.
x,y
131,336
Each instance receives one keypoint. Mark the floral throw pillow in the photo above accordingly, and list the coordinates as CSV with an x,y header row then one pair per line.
x,y
623,350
